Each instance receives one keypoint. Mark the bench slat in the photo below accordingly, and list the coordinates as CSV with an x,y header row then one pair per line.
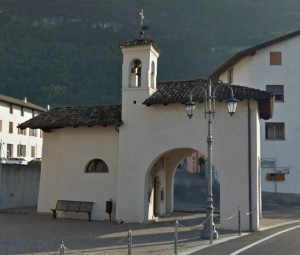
x,y
74,206
86,206
62,205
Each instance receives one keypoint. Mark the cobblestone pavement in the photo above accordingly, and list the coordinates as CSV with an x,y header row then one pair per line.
x,y
27,232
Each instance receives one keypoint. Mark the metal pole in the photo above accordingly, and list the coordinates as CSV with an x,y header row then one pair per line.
x,y
62,248
239,214
176,237
209,227
129,241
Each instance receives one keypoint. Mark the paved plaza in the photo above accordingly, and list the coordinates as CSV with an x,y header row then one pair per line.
x,y
24,231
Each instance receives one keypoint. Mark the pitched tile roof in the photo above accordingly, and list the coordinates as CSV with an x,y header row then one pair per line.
x,y
140,42
167,93
250,51
179,92
60,117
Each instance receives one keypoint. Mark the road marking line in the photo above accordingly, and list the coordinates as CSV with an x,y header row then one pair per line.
x,y
262,240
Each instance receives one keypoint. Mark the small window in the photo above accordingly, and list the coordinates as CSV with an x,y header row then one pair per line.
x,y
278,92
33,151
275,58
230,76
32,132
162,195
275,131
21,150
11,110
9,150
21,131
11,127
96,166
22,111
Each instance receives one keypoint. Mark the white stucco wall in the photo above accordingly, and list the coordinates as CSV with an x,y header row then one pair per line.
x,y
66,153
158,129
255,71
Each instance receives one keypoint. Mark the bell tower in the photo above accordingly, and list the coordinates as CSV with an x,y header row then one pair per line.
x,y
139,68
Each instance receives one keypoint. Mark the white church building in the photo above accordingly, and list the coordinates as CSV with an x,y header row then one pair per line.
x,y
129,152
274,66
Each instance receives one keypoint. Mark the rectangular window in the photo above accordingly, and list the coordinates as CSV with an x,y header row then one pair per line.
x,y
22,111
275,58
33,151
11,109
278,91
275,131
21,150
11,127
162,195
230,76
9,150
41,134
32,113
32,132
21,131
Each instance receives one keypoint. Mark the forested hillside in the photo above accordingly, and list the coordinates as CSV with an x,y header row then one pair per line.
x,y
66,52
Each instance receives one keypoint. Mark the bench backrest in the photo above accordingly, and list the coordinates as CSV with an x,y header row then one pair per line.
x,y
75,206
86,206
62,205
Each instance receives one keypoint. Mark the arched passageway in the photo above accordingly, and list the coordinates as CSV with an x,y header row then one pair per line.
x,y
170,187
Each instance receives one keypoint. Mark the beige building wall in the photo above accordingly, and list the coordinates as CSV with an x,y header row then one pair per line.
x,y
69,178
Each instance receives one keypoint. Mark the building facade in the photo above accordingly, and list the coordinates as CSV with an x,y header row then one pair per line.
x,y
15,142
273,66
129,153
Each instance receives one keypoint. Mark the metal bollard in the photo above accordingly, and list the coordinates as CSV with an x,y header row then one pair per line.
x,y
62,248
176,238
239,221
129,242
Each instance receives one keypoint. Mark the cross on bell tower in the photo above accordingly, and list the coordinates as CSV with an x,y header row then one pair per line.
x,y
143,28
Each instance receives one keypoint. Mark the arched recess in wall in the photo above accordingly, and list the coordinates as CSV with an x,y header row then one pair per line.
x,y
135,73
96,166
153,75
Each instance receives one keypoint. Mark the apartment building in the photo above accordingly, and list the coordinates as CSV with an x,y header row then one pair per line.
x,y
274,66
15,142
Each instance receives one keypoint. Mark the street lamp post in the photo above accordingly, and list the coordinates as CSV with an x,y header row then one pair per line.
x,y
209,231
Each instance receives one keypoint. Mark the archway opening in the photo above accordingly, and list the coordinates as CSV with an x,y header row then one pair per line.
x,y
191,184
177,181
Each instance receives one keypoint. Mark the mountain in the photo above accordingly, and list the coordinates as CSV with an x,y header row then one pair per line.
x,y
66,52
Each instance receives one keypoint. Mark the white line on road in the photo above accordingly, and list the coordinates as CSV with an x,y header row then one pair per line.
x,y
262,240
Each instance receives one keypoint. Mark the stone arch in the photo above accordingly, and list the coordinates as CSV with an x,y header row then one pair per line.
x,y
162,169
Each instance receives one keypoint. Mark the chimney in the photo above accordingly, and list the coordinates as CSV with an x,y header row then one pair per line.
x,y
25,100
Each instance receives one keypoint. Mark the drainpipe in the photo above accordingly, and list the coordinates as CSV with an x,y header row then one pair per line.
x,y
249,166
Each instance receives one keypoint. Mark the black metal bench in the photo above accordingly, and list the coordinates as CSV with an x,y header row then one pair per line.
x,y
73,206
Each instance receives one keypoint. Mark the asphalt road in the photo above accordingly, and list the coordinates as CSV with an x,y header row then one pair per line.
x,y
277,241
190,192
